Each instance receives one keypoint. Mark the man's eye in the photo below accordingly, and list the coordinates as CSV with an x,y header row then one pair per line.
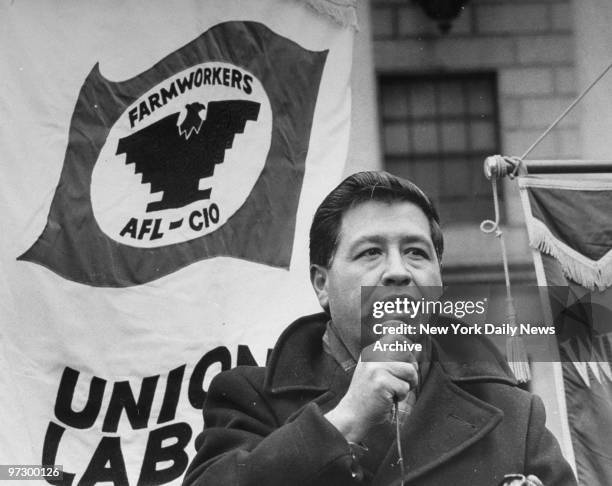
x,y
417,252
370,252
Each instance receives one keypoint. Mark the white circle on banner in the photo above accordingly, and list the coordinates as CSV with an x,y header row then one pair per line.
x,y
183,158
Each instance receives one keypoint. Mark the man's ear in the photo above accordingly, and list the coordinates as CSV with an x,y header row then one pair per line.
x,y
318,279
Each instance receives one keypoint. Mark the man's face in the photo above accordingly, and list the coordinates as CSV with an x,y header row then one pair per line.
x,y
379,244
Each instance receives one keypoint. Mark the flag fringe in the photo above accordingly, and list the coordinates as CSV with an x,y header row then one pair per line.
x,y
344,12
580,269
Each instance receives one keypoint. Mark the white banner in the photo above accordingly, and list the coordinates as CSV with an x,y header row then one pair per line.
x,y
161,163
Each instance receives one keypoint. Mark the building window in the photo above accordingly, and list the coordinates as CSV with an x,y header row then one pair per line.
x,y
437,131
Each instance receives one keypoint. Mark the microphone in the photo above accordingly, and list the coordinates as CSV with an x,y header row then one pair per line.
x,y
403,409
404,346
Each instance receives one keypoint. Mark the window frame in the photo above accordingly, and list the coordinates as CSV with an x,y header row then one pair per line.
x,y
462,78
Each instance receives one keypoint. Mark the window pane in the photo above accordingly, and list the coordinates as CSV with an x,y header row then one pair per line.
x,y
395,101
456,178
451,99
465,210
426,175
480,98
482,136
425,138
422,100
396,139
400,167
454,136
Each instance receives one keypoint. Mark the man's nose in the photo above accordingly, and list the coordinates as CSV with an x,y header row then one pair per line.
x,y
397,271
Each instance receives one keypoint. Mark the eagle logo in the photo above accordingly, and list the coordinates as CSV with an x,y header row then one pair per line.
x,y
173,157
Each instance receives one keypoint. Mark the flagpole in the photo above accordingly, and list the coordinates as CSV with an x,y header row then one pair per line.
x,y
498,166
568,166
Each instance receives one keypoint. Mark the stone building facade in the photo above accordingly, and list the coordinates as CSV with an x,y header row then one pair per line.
x,y
525,50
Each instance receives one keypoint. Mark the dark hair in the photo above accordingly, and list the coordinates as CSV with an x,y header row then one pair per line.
x,y
357,189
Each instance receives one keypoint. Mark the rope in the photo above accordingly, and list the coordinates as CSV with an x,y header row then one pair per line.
x,y
400,454
515,348
567,110
488,227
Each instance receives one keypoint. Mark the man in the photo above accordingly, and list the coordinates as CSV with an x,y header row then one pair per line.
x,y
320,412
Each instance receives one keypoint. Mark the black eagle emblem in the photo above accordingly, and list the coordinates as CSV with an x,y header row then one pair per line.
x,y
174,158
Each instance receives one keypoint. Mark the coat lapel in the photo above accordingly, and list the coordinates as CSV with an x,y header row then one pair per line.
x,y
338,385
445,421
298,361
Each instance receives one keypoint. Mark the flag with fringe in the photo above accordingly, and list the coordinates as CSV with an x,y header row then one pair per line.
x,y
569,223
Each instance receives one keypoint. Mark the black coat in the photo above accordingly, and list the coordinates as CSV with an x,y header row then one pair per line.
x,y
471,425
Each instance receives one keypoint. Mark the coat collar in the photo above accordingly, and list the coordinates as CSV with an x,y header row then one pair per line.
x,y
298,361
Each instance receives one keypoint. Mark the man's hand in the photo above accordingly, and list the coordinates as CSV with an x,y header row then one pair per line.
x,y
374,387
